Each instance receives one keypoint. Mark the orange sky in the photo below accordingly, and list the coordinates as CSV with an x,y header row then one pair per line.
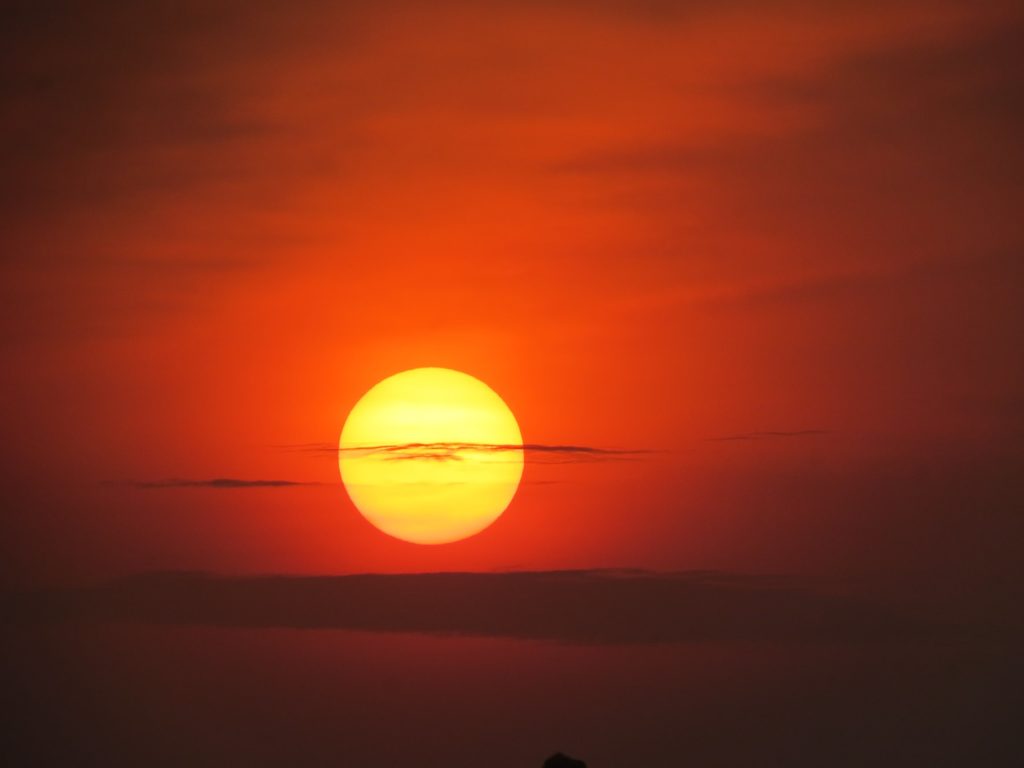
x,y
647,225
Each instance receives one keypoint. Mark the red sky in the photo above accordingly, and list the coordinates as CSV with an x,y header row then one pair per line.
x,y
647,225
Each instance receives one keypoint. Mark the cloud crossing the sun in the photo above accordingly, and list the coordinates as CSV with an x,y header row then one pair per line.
x,y
543,453
457,451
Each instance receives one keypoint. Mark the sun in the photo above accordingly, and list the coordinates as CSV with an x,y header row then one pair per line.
x,y
431,455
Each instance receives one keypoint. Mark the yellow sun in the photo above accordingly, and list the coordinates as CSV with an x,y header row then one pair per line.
x,y
431,455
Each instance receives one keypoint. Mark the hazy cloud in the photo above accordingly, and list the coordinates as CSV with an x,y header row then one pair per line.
x,y
216,482
564,606
768,435
456,451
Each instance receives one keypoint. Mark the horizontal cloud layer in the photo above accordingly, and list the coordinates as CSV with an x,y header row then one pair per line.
x,y
456,451
769,435
564,606
216,482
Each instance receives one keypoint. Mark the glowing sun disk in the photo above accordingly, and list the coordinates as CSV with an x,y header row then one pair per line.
x,y
431,455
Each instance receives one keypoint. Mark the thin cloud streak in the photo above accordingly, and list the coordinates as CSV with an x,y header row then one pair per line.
x,y
579,607
450,451
768,435
456,451
216,482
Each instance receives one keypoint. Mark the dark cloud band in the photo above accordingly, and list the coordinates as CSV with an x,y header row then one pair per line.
x,y
456,451
216,482
588,607
771,435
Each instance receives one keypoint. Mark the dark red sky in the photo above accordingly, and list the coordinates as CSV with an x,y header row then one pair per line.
x,y
647,225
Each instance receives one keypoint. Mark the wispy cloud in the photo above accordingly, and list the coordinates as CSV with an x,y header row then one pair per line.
x,y
216,482
447,452
457,451
768,435
586,607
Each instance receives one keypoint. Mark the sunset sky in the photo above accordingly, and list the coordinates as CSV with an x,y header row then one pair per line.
x,y
647,226
757,264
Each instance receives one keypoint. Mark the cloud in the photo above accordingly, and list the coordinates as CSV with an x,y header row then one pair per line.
x,y
216,482
768,435
585,607
437,452
449,451
456,451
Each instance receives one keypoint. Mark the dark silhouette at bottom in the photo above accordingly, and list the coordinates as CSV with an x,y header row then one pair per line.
x,y
558,760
